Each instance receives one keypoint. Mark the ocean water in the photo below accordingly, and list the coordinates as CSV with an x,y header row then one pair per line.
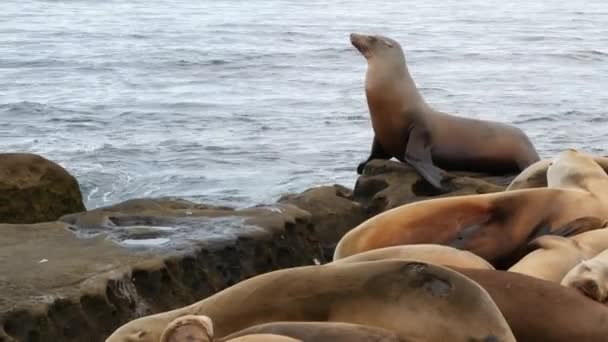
x,y
238,102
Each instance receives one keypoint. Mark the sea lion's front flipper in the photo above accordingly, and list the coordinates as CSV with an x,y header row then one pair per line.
x,y
376,153
418,155
580,225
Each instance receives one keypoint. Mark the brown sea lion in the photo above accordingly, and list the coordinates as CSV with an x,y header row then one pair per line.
x,y
555,256
415,300
494,226
434,254
322,332
539,310
590,277
408,129
535,175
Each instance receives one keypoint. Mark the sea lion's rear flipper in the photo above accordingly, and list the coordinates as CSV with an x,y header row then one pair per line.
x,y
376,153
418,155
551,241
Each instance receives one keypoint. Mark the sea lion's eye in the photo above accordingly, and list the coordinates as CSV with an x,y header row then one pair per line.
x,y
372,38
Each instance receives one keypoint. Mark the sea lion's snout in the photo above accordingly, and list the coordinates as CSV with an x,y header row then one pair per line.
x,y
361,43
196,328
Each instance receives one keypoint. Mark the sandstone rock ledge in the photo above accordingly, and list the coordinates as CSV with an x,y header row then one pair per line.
x,y
81,277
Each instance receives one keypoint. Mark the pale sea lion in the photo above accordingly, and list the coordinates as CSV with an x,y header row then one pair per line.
x,y
263,338
189,328
415,300
590,277
322,332
408,129
434,254
555,255
494,226
535,175
539,310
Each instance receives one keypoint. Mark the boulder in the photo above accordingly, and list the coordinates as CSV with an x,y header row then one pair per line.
x,y
34,189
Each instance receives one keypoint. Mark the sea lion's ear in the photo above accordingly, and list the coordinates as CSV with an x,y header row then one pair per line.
x,y
389,44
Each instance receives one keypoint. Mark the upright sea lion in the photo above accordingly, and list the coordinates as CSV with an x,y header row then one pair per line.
x,y
539,310
434,254
407,128
494,226
322,332
415,300
557,255
590,277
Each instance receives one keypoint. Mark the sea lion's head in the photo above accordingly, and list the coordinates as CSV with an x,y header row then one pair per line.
x,y
377,46
572,168
590,277
189,328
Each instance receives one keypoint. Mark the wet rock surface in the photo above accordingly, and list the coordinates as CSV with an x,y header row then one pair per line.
x,y
34,189
81,277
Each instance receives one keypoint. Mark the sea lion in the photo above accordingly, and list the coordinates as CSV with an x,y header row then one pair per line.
x,y
539,310
535,175
434,254
189,328
322,332
555,256
415,300
494,226
263,338
408,129
590,277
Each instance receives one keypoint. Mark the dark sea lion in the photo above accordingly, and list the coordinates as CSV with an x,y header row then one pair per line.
x,y
415,300
408,129
539,310
322,332
496,226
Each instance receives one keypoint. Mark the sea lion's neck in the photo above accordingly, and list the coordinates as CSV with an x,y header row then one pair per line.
x,y
386,83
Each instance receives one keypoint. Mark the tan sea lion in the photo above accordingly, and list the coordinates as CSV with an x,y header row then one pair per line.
x,y
555,256
415,300
263,338
590,277
322,332
434,254
494,226
535,175
408,129
539,310
189,328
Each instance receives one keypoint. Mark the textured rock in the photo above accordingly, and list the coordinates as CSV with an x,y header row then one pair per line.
x,y
34,189
81,278
387,184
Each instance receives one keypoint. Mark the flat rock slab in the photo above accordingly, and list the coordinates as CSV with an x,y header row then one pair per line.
x,y
79,278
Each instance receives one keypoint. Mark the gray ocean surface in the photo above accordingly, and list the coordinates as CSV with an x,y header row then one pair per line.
x,y
238,102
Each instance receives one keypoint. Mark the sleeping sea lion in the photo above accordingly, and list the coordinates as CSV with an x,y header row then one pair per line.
x,y
415,300
494,226
434,254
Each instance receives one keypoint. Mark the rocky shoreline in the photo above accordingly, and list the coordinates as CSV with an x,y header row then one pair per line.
x,y
74,275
